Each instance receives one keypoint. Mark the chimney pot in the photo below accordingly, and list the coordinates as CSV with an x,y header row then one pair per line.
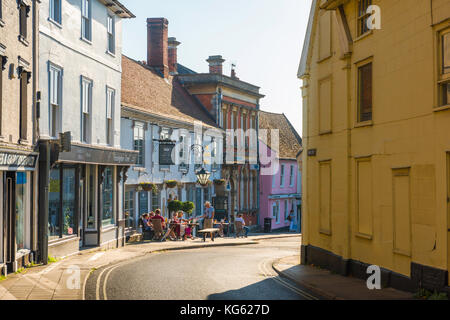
x,y
157,45
215,64
173,55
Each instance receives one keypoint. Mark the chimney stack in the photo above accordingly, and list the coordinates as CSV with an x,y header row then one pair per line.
x,y
215,64
173,55
157,45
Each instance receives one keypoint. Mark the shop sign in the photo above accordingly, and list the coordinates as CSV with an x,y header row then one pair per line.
x,y
16,160
165,153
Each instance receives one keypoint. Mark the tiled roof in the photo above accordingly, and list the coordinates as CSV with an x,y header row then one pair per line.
x,y
290,140
184,70
145,90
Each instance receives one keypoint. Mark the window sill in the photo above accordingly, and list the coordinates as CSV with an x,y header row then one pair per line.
x,y
363,236
23,40
56,23
363,36
2,23
441,108
110,53
86,40
325,232
364,124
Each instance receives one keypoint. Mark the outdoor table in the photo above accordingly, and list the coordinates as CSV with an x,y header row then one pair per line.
x,y
210,230
224,224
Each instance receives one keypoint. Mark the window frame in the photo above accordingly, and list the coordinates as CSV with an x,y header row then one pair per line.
x,y
282,175
110,106
88,19
55,125
129,198
359,94
24,10
443,77
361,18
141,156
86,111
291,176
51,16
23,112
111,35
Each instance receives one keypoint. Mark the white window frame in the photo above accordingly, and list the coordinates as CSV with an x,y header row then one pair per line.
x,y
286,210
282,173
291,176
111,34
86,109
86,8
55,99
276,211
139,128
110,107
52,17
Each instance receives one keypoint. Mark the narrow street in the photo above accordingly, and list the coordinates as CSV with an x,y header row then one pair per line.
x,y
231,273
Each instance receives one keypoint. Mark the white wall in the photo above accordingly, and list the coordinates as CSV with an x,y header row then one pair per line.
x,y
63,46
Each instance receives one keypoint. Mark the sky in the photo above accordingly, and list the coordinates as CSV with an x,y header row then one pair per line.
x,y
264,38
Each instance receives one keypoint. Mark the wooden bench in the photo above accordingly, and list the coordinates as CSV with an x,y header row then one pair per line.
x,y
210,230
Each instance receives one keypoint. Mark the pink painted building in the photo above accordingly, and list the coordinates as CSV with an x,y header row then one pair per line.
x,y
280,180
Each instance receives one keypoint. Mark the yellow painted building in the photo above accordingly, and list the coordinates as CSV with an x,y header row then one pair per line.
x,y
376,139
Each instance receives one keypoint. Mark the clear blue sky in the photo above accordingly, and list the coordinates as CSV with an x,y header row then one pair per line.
x,y
263,37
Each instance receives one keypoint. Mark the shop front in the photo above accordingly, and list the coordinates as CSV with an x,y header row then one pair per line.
x,y
16,212
86,198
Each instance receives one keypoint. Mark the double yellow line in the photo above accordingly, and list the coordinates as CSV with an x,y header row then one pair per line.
x,y
266,272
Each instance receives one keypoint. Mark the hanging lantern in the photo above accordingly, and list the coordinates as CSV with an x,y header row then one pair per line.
x,y
203,177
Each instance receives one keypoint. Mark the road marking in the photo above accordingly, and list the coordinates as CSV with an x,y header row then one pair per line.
x,y
267,273
96,256
97,287
105,297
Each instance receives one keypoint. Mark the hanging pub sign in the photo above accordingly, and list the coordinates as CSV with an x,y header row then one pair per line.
x,y
12,160
165,152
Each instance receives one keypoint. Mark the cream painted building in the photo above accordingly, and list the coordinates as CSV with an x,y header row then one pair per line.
x,y
376,160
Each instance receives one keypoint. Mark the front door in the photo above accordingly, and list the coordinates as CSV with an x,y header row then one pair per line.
x,y
82,213
9,207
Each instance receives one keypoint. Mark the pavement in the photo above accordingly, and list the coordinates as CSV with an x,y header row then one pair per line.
x,y
332,286
65,279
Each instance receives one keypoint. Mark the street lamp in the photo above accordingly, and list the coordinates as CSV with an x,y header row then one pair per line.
x,y
203,177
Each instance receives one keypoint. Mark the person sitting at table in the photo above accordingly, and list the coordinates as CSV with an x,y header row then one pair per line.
x,y
157,216
240,218
174,235
145,222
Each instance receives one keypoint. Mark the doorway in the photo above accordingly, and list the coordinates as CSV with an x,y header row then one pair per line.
x,y
9,218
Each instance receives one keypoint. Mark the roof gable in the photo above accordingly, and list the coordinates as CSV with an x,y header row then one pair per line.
x,y
302,69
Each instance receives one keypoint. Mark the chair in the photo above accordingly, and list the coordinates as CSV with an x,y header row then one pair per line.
x,y
157,229
239,229
147,234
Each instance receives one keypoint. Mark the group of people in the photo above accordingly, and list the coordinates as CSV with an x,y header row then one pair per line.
x,y
183,228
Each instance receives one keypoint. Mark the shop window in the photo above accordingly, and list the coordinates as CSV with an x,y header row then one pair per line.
x,y
363,16
21,209
54,207
276,211
286,210
108,197
365,93
129,209
68,201
62,188
444,76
